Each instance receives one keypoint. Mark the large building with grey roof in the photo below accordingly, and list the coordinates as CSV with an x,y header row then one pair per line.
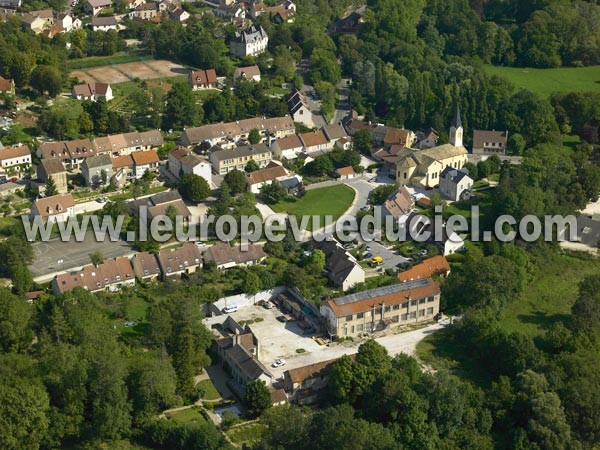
x,y
387,307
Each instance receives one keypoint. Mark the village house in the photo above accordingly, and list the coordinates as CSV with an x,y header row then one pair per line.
x,y
145,266
398,137
226,160
388,307
15,160
225,256
57,208
227,135
305,384
438,265
456,184
145,161
266,176
446,239
343,143
389,156
144,11
426,140
490,142
7,86
158,205
334,132
68,23
251,73
111,275
376,130
70,153
238,353
183,160
104,24
11,3
315,141
287,147
342,268
299,109
92,91
399,204
94,7
183,260
345,173
293,185
203,79
122,170
249,43
34,23
53,168
179,15
97,170
423,168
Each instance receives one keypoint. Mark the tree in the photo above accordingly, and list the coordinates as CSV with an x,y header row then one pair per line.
x,y
254,136
97,257
236,180
46,78
252,166
315,263
252,284
362,142
193,187
181,108
585,310
341,379
548,425
516,144
24,408
257,398
15,317
50,187
380,194
273,193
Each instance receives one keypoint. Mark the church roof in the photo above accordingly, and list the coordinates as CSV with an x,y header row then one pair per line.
x,y
457,122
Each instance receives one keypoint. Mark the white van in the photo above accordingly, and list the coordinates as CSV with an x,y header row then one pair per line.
x,y
230,309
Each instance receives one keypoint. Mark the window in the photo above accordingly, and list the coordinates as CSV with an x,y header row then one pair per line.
x,y
421,313
429,299
413,315
396,307
404,317
360,316
405,305
360,328
421,301
429,311
351,330
349,318
413,303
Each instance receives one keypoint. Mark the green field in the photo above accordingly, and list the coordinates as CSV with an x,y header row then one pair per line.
x,y
97,61
547,81
247,434
333,200
547,299
189,415
209,390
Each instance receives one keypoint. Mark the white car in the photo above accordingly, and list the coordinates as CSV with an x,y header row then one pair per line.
x,y
230,309
279,362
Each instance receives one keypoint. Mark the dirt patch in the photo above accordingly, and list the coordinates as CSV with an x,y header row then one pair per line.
x,y
167,68
120,73
107,74
138,70
82,76
162,85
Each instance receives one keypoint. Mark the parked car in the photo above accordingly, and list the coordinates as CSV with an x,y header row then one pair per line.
x,y
230,309
268,305
13,179
3,180
130,324
279,362
282,319
368,256
102,199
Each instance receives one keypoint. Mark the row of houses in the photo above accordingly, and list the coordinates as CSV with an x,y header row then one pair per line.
x,y
114,274
14,160
296,146
73,153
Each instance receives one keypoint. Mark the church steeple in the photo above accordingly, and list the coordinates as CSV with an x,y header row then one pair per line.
x,y
456,130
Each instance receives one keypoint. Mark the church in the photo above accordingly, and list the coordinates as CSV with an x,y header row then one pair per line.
x,y
423,168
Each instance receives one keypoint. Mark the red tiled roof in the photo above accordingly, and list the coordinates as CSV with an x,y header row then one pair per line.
x,y
271,173
438,265
349,170
146,157
94,278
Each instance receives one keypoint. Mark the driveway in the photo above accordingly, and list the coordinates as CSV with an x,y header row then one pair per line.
x,y
342,107
309,91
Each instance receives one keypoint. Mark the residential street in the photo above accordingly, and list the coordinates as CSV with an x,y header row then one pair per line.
x,y
342,107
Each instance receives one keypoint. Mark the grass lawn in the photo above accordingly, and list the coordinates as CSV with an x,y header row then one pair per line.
x,y
126,88
247,433
483,199
331,200
7,222
277,91
547,299
209,389
547,81
96,61
190,415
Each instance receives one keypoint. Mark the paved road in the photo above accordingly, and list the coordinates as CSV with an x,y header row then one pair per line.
x,y
308,90
394,343
342,107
